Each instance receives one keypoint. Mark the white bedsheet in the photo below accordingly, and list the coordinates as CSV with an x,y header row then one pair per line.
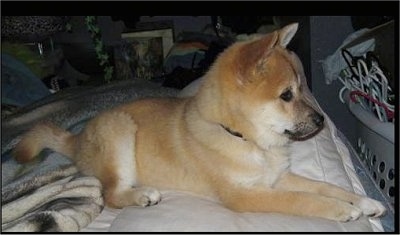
x,y
324,157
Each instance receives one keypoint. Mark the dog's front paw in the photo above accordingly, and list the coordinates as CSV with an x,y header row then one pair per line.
x,y
345,212
148,196
371,207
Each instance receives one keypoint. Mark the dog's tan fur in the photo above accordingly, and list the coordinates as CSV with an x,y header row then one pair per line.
x,y
181,143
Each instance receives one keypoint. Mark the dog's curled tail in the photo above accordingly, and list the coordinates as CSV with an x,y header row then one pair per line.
x,y
44,135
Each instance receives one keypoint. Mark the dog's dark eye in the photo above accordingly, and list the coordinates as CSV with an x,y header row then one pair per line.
x,y
287,95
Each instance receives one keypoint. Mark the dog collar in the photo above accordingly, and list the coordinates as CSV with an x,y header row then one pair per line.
x,y
234,133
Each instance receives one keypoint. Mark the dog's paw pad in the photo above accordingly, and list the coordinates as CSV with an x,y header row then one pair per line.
x,y
148,197
371,207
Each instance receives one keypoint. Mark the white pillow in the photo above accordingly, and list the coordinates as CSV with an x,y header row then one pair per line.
x,y
184,212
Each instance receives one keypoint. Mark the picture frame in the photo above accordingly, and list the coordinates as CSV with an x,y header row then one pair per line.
x,y
166,35
141,53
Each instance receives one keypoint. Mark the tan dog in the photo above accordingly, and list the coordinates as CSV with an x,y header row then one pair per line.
x,y
229,141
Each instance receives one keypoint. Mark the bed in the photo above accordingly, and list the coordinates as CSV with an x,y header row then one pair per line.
x,y
69,201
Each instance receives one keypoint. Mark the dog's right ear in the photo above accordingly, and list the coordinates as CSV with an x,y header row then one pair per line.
x,y
253,55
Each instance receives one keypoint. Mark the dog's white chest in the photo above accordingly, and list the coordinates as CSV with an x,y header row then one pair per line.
x,y
262,168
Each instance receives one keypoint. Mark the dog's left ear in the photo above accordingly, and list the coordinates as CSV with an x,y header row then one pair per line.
x,y
286,34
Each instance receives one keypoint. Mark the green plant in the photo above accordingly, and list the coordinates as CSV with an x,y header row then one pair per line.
x,y
102,55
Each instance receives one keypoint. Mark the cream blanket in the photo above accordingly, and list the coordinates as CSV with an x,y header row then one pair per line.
x,y
48,195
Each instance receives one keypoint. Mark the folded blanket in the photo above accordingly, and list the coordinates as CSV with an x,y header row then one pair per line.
x,y
48,195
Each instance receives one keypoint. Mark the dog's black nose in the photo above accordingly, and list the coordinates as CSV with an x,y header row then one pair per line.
x,y
318,119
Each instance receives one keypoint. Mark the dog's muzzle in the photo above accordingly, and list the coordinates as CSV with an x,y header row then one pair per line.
x,y
306,130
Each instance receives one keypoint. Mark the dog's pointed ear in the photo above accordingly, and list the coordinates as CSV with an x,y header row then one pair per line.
x,y
253,55
287,33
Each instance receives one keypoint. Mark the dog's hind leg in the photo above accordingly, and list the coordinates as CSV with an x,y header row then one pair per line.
x,y
107,151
